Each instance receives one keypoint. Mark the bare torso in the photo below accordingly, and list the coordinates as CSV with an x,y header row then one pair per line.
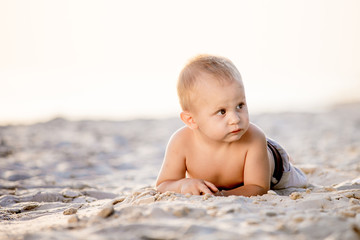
x,y
227,165
223,166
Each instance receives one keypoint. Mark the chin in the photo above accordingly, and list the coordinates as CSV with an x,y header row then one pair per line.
x,y
233,139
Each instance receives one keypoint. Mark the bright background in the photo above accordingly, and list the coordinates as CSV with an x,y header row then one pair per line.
x,y
84,59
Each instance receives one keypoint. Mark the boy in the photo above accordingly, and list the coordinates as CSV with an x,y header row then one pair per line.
x,y
219,151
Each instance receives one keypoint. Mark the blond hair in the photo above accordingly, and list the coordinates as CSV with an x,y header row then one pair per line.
x,y
219,67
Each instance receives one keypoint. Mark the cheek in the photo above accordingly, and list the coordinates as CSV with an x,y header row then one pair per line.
x,y
245,118
215,125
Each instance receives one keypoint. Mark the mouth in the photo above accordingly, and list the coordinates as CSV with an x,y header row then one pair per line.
x,y
236,131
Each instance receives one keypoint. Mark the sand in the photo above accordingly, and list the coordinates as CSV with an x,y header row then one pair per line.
x,y
95,180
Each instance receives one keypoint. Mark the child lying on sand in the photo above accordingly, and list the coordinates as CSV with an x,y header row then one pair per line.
x,y
220,151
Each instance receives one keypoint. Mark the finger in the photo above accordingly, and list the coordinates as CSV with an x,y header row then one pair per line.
x,y
212,187
195,192
204,189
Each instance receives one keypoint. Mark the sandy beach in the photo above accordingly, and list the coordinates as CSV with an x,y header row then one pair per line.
x,y
95,180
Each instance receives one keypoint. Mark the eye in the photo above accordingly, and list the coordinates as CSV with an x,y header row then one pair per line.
x,y
221,112
240,106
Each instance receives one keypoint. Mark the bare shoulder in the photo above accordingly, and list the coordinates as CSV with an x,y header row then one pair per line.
x,y
180,140
255,134
182,135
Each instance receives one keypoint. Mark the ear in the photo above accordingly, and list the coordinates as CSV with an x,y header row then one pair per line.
x,y
188,119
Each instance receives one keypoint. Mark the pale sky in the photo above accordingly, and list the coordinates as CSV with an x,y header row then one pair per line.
x,y
120,59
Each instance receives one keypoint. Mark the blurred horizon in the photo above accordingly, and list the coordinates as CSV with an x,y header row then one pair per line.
x,y
115,60
353,105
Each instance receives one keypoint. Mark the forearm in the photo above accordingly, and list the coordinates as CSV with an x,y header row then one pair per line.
x,y
247,191
187,185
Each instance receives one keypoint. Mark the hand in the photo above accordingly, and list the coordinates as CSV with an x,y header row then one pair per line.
x,y
197,187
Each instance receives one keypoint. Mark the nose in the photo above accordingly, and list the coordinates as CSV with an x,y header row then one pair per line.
x,y
234,118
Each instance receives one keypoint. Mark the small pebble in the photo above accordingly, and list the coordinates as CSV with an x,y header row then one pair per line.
x,y
295,195
70,211
106,212
271,192
207,196
118,200
30,206
355,195
330,189
298,219
168,193
271,214
253,221
73,219
70,193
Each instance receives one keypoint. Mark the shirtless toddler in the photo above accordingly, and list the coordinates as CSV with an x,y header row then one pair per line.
x,y
220,151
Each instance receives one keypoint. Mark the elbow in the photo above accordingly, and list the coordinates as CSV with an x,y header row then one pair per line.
x,y
259,190
263,191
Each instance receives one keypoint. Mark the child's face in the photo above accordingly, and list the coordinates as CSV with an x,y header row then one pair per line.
x,y
220,109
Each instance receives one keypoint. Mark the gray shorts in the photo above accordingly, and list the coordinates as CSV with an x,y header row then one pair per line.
x,y
292,177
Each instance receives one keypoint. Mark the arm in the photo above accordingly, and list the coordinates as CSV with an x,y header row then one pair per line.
x,y
188,185
246,190
257,174
172,174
